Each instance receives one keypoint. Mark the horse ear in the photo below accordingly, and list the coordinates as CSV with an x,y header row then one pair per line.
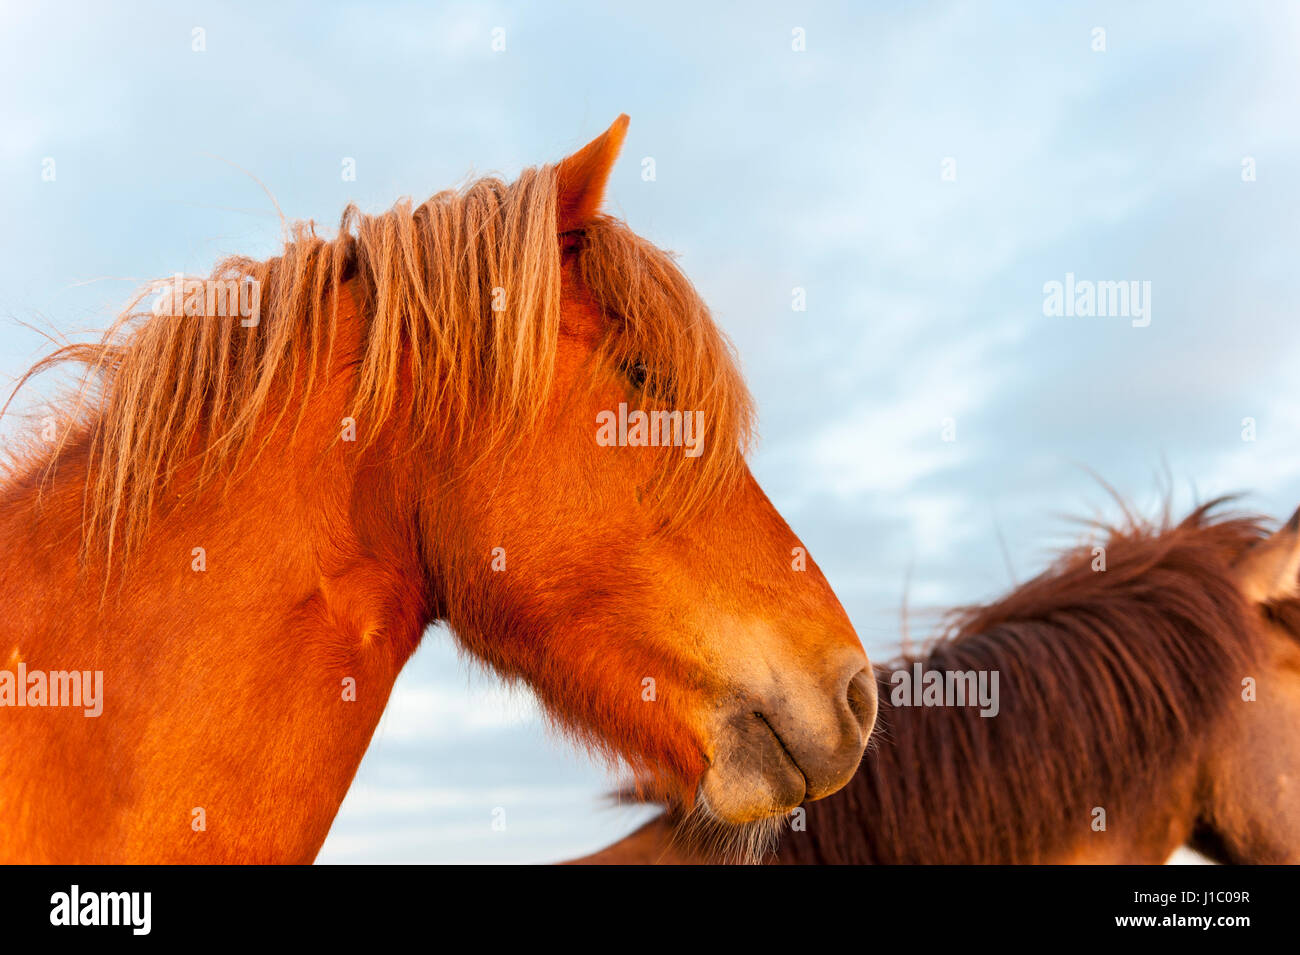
x,y
583,175
1269,570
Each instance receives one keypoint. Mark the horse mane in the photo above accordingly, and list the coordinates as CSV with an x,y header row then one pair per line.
x,y
460,301
1108,679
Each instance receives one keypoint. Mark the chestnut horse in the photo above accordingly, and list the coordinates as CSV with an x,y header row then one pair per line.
x,y
244,523
1149,698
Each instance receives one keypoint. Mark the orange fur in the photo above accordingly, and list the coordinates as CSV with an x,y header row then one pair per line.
x,y
327,558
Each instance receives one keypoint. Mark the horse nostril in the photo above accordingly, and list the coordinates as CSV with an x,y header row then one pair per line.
x,y
862,700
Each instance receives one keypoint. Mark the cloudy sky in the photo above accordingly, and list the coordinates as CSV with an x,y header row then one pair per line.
x,y
920,170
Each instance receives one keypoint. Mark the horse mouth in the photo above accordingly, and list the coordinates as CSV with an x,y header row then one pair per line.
x,y
785,751
753,775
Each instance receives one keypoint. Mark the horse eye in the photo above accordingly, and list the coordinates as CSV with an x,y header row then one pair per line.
x,y
637,374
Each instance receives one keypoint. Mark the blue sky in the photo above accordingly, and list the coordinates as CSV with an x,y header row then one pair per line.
x,y
775,169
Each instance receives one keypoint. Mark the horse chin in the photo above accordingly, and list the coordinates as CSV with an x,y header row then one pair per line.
x,y
752,777
702,833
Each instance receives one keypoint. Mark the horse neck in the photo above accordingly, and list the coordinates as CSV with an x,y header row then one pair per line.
x,y
247,648
943,785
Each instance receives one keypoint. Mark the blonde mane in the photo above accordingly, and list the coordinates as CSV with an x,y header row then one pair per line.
x,y
460,299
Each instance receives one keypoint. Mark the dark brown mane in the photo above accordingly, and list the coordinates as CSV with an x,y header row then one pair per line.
x,y
1106,680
